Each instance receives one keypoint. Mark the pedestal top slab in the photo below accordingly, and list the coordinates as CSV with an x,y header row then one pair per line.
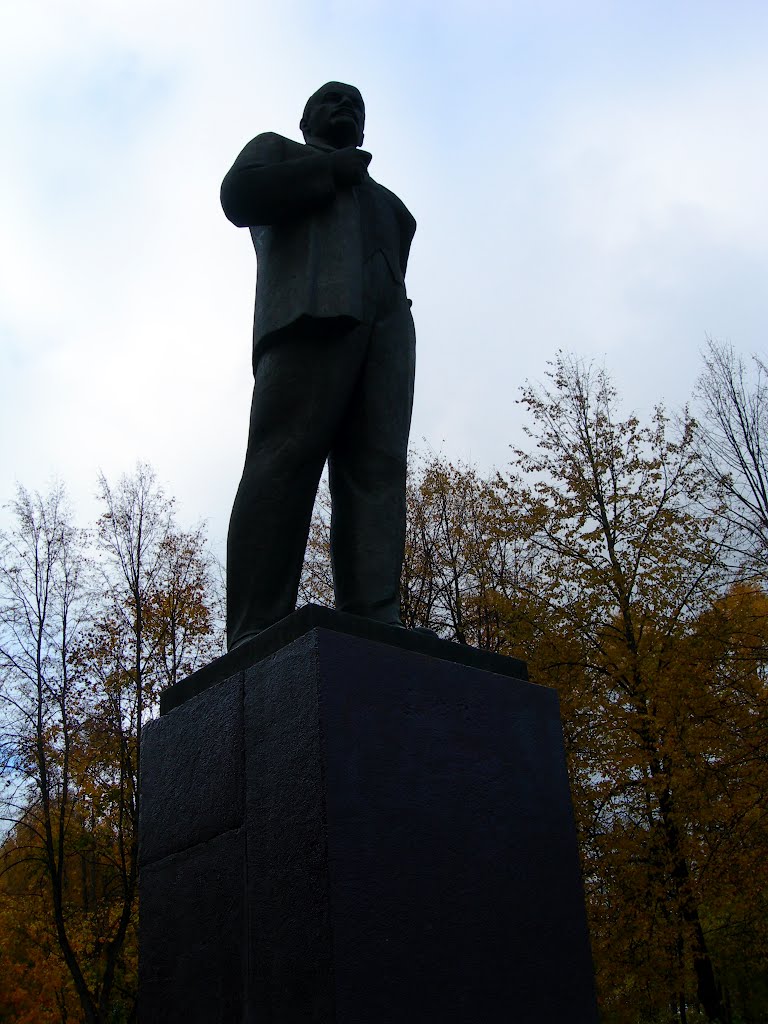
x,y
313,616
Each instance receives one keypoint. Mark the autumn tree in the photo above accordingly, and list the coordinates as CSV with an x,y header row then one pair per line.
x,y
724,746
462,563
466,574
629,565
43,613
90,637
603,560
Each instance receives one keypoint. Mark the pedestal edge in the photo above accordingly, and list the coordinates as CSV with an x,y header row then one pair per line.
x,y
313,616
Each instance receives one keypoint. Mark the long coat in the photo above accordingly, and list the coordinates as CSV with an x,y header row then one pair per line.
x,y
307,233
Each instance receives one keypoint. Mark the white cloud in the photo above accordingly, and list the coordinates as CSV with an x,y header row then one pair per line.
x,y
583,206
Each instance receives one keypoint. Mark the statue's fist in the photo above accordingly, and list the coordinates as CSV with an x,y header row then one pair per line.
x,y
349,165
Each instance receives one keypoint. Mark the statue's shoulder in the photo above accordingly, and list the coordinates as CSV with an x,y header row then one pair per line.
x,y
273,139
267,148
277,145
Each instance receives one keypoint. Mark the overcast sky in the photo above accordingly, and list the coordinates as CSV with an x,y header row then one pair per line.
x,y
586,175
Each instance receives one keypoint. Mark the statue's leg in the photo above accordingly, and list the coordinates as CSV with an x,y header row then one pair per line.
x,y
301,389
368,464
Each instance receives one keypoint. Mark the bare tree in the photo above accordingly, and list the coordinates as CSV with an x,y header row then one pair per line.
x,y
316,584
733,443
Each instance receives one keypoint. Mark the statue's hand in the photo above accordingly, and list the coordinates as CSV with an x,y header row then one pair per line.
x,y
349,165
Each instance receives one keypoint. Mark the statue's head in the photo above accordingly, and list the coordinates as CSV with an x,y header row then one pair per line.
x,y
335,114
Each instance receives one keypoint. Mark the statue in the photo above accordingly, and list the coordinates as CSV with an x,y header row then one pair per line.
x,y
333,362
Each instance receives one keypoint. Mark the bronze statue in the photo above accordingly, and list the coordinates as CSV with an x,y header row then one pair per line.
x,y
333,362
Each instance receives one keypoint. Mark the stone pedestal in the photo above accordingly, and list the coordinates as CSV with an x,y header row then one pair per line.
x,y
345,823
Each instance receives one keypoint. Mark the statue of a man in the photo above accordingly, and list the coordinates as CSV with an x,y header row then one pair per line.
x,y
333,361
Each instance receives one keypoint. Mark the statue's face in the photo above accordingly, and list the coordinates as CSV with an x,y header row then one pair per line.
x,y
335,115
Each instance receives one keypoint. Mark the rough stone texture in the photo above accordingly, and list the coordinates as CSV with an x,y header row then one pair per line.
x,y
404,851
288,899
192,773
192,934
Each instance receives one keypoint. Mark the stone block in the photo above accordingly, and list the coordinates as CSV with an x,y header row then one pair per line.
x,y
192,934
403,849
192,772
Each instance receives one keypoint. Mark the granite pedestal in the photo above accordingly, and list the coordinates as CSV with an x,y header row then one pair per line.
x,y
346,823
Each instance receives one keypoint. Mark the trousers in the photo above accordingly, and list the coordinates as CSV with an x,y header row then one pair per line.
x,y
347,399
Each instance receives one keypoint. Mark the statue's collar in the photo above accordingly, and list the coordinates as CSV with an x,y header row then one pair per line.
x,y
324,146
